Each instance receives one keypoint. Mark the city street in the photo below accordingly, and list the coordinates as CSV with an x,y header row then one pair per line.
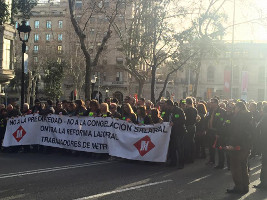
x,y
56,176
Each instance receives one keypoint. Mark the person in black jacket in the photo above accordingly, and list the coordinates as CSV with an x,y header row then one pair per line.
x,y
191,119
201,128
37,108
262,127
176,117
239,146
59,109
3,123
49,109
216,118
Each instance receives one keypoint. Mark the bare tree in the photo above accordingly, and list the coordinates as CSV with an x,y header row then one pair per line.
x,y
80,20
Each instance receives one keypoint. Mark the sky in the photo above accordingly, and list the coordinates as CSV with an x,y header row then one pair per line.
x,y
247,10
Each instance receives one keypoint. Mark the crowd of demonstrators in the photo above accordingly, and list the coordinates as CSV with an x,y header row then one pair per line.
x,y
224,131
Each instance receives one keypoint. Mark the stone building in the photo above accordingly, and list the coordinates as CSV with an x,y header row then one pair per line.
x,y
248,72
7,35
53,37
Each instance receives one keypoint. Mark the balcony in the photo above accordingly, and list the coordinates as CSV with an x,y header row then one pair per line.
x,y
6,75
120,83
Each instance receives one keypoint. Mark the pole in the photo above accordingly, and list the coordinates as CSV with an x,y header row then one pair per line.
x,y
98,87
232,54
22,75
188,90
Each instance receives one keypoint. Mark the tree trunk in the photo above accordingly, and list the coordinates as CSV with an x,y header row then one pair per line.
x,y
88,74
153,79
164,87
34,84
194,93
29,87
140,88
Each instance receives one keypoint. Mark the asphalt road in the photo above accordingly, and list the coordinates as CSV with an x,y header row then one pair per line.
x,y
55,176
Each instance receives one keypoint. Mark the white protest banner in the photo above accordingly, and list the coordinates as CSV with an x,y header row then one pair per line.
x,y
100,135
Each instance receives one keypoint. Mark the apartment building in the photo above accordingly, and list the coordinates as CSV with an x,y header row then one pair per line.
x,y
53,37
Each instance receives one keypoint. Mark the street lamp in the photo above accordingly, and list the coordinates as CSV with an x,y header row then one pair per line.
x,y
93,81
107,90
26,30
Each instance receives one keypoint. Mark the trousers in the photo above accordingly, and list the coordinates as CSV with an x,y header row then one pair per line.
x,y
239,169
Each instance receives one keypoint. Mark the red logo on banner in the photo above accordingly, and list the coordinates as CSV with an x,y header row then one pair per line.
x,y
19,133
144,145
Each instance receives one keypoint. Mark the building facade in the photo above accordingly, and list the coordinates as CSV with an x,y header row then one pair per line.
x,y
53,37
7,35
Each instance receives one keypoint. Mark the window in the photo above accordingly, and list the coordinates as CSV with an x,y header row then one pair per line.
x,y
119,76
119,60
92,31
36,37
105,61
35,48
120,17
47,49
26,36
48,37
48,24
27,48
60,24
59,49
78,4
104,76
92,20
106,3
36,24
35,59
27,23
59,37
210,74
100,4
7,64
16,25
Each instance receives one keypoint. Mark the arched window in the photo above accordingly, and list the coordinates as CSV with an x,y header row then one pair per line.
x,y
119,96
210,74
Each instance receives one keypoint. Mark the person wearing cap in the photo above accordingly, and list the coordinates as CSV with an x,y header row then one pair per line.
x,y
239,146
176,117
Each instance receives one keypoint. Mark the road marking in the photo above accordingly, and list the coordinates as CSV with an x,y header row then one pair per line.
x,y
123,190
14,197
45,170
255,167
199,179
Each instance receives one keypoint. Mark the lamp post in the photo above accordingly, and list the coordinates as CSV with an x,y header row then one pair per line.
x,y
107,90
24,38
93,81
